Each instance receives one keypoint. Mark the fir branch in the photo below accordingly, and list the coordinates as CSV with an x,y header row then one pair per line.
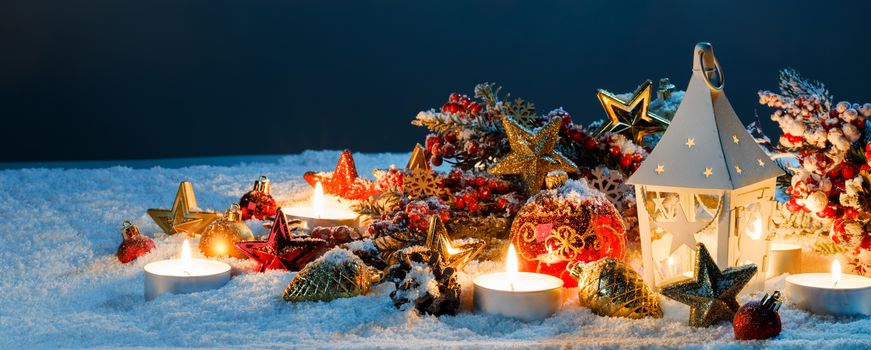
x,y
829,248
793,85
378,205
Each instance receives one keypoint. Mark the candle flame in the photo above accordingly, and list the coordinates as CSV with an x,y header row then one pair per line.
x,y
318,200
186,253
756,233
511,265
836,271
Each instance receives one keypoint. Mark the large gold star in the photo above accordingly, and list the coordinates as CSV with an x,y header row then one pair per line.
x,y
711,293
532,154
453,253
632,117
184,215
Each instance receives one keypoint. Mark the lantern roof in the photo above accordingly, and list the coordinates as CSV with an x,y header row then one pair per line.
x,y
706,146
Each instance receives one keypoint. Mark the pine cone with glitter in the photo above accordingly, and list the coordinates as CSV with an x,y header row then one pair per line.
x,y
609,287
337,274
420,280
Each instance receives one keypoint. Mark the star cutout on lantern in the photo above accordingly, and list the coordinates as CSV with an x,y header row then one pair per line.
x,y
691,142
418,159
708,172
658,205
282,251
532,154
660,169
683,232
184,215
761,163
710,294
738,170
453,253
632,117
735,139
342,182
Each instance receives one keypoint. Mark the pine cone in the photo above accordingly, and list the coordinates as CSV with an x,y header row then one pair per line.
x,y
419,279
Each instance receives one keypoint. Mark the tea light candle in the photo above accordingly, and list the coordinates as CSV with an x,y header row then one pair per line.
x,y
526,296
783,258
322,212
830,293
185,275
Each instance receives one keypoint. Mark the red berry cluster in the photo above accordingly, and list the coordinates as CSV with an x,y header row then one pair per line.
x,y
335,235
480,192
412,215
461,105
627,155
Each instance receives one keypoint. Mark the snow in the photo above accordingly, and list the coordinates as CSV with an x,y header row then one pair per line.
x,y
63,287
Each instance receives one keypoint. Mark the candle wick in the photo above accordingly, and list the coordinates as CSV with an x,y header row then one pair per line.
x,y
836,283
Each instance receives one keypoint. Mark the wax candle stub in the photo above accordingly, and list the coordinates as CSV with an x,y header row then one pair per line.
x,y
184,275
832,293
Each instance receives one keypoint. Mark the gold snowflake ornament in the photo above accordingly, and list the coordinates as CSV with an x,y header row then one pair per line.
x,y
422,182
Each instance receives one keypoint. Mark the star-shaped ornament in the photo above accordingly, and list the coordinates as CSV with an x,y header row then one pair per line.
x,y
691,142
418,159
710,294
708,172
683,232
342,182
632,117
532,154
453,253
282,251
184,216
660,169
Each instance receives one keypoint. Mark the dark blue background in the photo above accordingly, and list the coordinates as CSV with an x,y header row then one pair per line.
x,y
120,79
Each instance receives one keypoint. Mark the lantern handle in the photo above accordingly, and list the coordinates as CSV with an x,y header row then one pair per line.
x,y
707,63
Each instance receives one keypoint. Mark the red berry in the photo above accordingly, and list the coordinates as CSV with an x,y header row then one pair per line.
x,y
465,101
501,203
484,193
590,143
448,150
625,161
459,202
451,137
475,108
446,108
472,147
615,151
454,108
847,171
454,97
473,206
480,181
436,160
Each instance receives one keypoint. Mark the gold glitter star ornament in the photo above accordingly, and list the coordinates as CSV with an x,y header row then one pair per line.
x,y
533,154
184,216
454,253
631,117
711,293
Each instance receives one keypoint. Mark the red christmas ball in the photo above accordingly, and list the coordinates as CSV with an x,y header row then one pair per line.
x,y
258,203
133,244
570,224
758,320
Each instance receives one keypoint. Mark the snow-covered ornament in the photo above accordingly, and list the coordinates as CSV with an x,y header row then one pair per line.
x,y
258,203
342,182
611,183
533,154
715,175
133,244
423,281
337,274
631,117
220,237
758,320
609,287
567,225
184,216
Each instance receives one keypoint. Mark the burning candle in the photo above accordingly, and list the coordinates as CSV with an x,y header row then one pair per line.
x,y
832,293
184,275
322,211
526,296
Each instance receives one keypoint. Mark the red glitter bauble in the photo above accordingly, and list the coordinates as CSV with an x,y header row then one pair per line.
x,y
758,320
258,203
134,244
567,225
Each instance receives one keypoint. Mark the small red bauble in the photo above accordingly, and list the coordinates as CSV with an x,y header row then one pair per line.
x,y
134,244
567,225
258,203
758,320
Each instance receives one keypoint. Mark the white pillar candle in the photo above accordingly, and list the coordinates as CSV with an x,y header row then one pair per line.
x,y
323,212
185,275
783,258
830,293
525,296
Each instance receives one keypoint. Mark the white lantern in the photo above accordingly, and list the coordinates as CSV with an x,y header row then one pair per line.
x,y
707,181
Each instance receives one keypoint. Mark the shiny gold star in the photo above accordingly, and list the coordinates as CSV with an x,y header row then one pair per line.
x,y
632,117
418,159
453,253
660,169
710,293
708,172
532,154
184,215
691,142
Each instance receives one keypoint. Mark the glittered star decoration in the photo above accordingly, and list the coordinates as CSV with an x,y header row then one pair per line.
x,y
454,253
710,294
632,117
683,232
282,251
342,182
533,154
418,159
184,216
